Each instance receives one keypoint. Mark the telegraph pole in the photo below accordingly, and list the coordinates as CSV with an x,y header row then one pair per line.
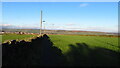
x,y
41,24
53,28
44,28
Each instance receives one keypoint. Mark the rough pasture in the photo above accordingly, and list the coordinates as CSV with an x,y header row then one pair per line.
x,y
63,50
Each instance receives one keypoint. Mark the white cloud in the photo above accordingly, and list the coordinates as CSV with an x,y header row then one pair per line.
x,y
83,5
95,28
5,25
70,24
17,26
101,29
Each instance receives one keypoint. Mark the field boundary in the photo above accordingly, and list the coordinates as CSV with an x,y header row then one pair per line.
x,y
87,35
17,40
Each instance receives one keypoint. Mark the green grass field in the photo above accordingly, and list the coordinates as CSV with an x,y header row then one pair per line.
x,y
82,50
8,37
88,50
63,42
0,38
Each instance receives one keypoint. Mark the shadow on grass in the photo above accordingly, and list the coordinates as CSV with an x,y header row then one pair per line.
x,y
38,52
41,52
82,55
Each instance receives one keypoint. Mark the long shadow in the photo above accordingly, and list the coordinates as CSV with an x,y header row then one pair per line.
x,y
82,55
39,52
107,43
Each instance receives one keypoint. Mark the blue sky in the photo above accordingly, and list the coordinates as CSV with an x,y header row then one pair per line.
x,y
91,16
59,0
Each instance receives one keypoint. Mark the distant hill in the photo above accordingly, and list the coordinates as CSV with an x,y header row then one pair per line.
x,y
59,31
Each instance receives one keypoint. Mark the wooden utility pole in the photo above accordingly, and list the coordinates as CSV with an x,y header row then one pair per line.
x,y
44,28
41,24
53,28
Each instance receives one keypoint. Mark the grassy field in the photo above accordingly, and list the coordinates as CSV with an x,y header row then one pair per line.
x,y
63,41
78,50
8,37
88,50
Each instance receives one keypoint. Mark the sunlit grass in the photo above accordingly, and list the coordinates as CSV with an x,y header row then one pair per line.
x,y
8,37
62,41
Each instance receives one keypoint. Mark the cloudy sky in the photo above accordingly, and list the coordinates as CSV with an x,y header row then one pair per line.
x,y
90,16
